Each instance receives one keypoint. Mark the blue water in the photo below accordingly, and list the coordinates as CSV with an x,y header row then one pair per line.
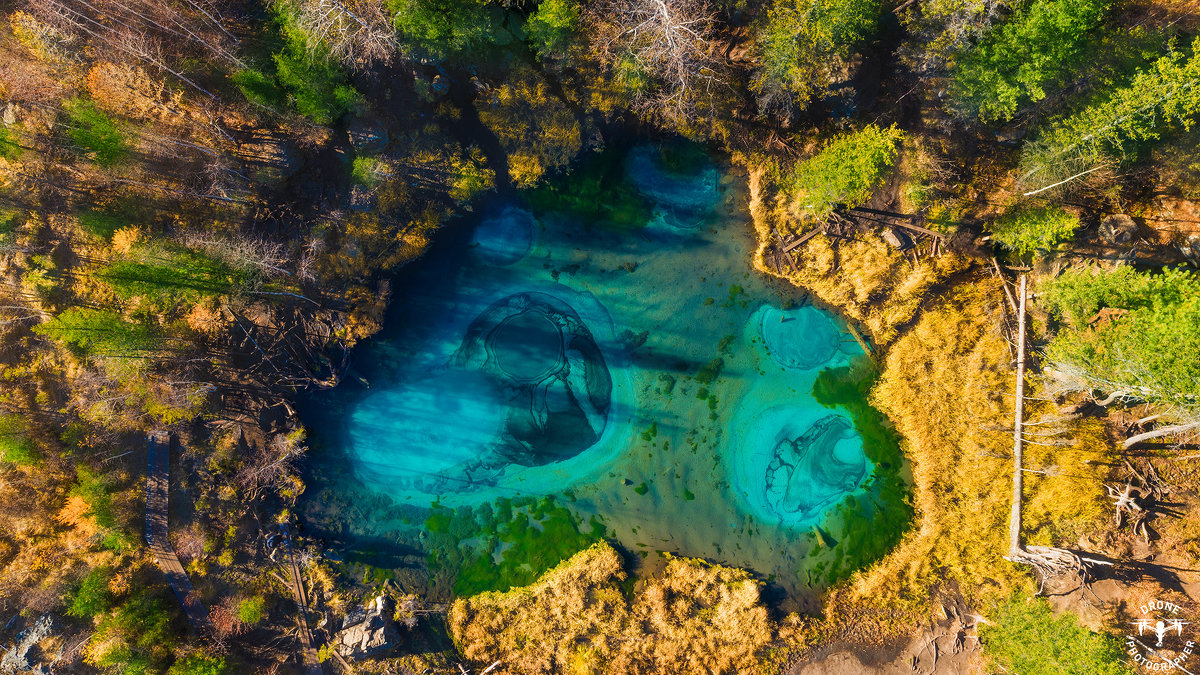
x,y
644,371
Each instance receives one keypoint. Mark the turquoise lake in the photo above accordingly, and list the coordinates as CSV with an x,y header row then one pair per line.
x,y
623,357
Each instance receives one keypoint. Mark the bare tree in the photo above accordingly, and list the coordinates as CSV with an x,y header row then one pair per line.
x,y
669,43
356,32
269,466
155,32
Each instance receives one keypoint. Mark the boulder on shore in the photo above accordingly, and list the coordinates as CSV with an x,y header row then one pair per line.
x,y
367,631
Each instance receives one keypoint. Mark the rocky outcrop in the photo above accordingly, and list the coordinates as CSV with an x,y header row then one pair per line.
x,y
367,631
17,658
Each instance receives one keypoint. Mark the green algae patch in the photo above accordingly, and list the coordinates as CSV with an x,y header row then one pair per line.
x,y
598,191
709,372
508,543
871,524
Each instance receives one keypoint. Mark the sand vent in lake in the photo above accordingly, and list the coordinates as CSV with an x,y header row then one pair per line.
x,y
554,382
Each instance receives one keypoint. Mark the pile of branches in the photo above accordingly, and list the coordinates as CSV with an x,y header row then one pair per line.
x,y
1139,501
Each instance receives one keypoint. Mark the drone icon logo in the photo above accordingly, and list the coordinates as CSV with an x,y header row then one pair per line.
x,y
1160,619
1160,628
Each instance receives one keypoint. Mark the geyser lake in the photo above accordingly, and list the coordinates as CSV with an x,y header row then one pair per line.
x,y
599,358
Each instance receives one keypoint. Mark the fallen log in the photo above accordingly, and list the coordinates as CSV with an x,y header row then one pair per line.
x,y
796,243
1159,432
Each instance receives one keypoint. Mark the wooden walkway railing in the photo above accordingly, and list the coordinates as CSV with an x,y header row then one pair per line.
x,y
310,661
158,485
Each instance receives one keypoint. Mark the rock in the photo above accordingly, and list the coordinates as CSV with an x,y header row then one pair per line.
x,y
367,631
16,659
367,136
10,114
896,239
1118,228
1190,249
1010,135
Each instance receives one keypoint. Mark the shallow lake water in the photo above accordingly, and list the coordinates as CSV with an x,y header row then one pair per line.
x,y
606,341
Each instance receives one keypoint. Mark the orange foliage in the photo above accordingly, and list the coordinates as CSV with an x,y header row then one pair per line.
x,y
129,91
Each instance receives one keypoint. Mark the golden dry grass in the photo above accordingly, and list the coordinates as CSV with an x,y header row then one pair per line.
x,y
865,279
947,386
692,618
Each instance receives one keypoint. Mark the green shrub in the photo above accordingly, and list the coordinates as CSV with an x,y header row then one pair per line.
x,y
315,84
552,25
1024,636
93,596
259,88
445,28
632,75
97,491
10,220
1146,345
137,637
251,610
1029,229
1038,46
102,224
169,278
845,171
16,446
10,148
366,171
100,332
95,132
124,660
469,177
199,664
166,276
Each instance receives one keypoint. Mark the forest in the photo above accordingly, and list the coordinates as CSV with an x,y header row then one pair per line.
x,y
204,204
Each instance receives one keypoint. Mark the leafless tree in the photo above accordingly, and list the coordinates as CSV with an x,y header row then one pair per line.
x,y
270,465
241,252
669,42
356,32
154,32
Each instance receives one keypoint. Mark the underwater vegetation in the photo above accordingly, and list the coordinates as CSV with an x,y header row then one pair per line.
x,y
507,543
598,190
871,527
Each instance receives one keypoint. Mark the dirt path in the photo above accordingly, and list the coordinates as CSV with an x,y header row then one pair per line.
x,y
158,483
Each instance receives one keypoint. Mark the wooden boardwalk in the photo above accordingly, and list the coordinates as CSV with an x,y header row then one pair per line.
x,y
158,485
310,661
